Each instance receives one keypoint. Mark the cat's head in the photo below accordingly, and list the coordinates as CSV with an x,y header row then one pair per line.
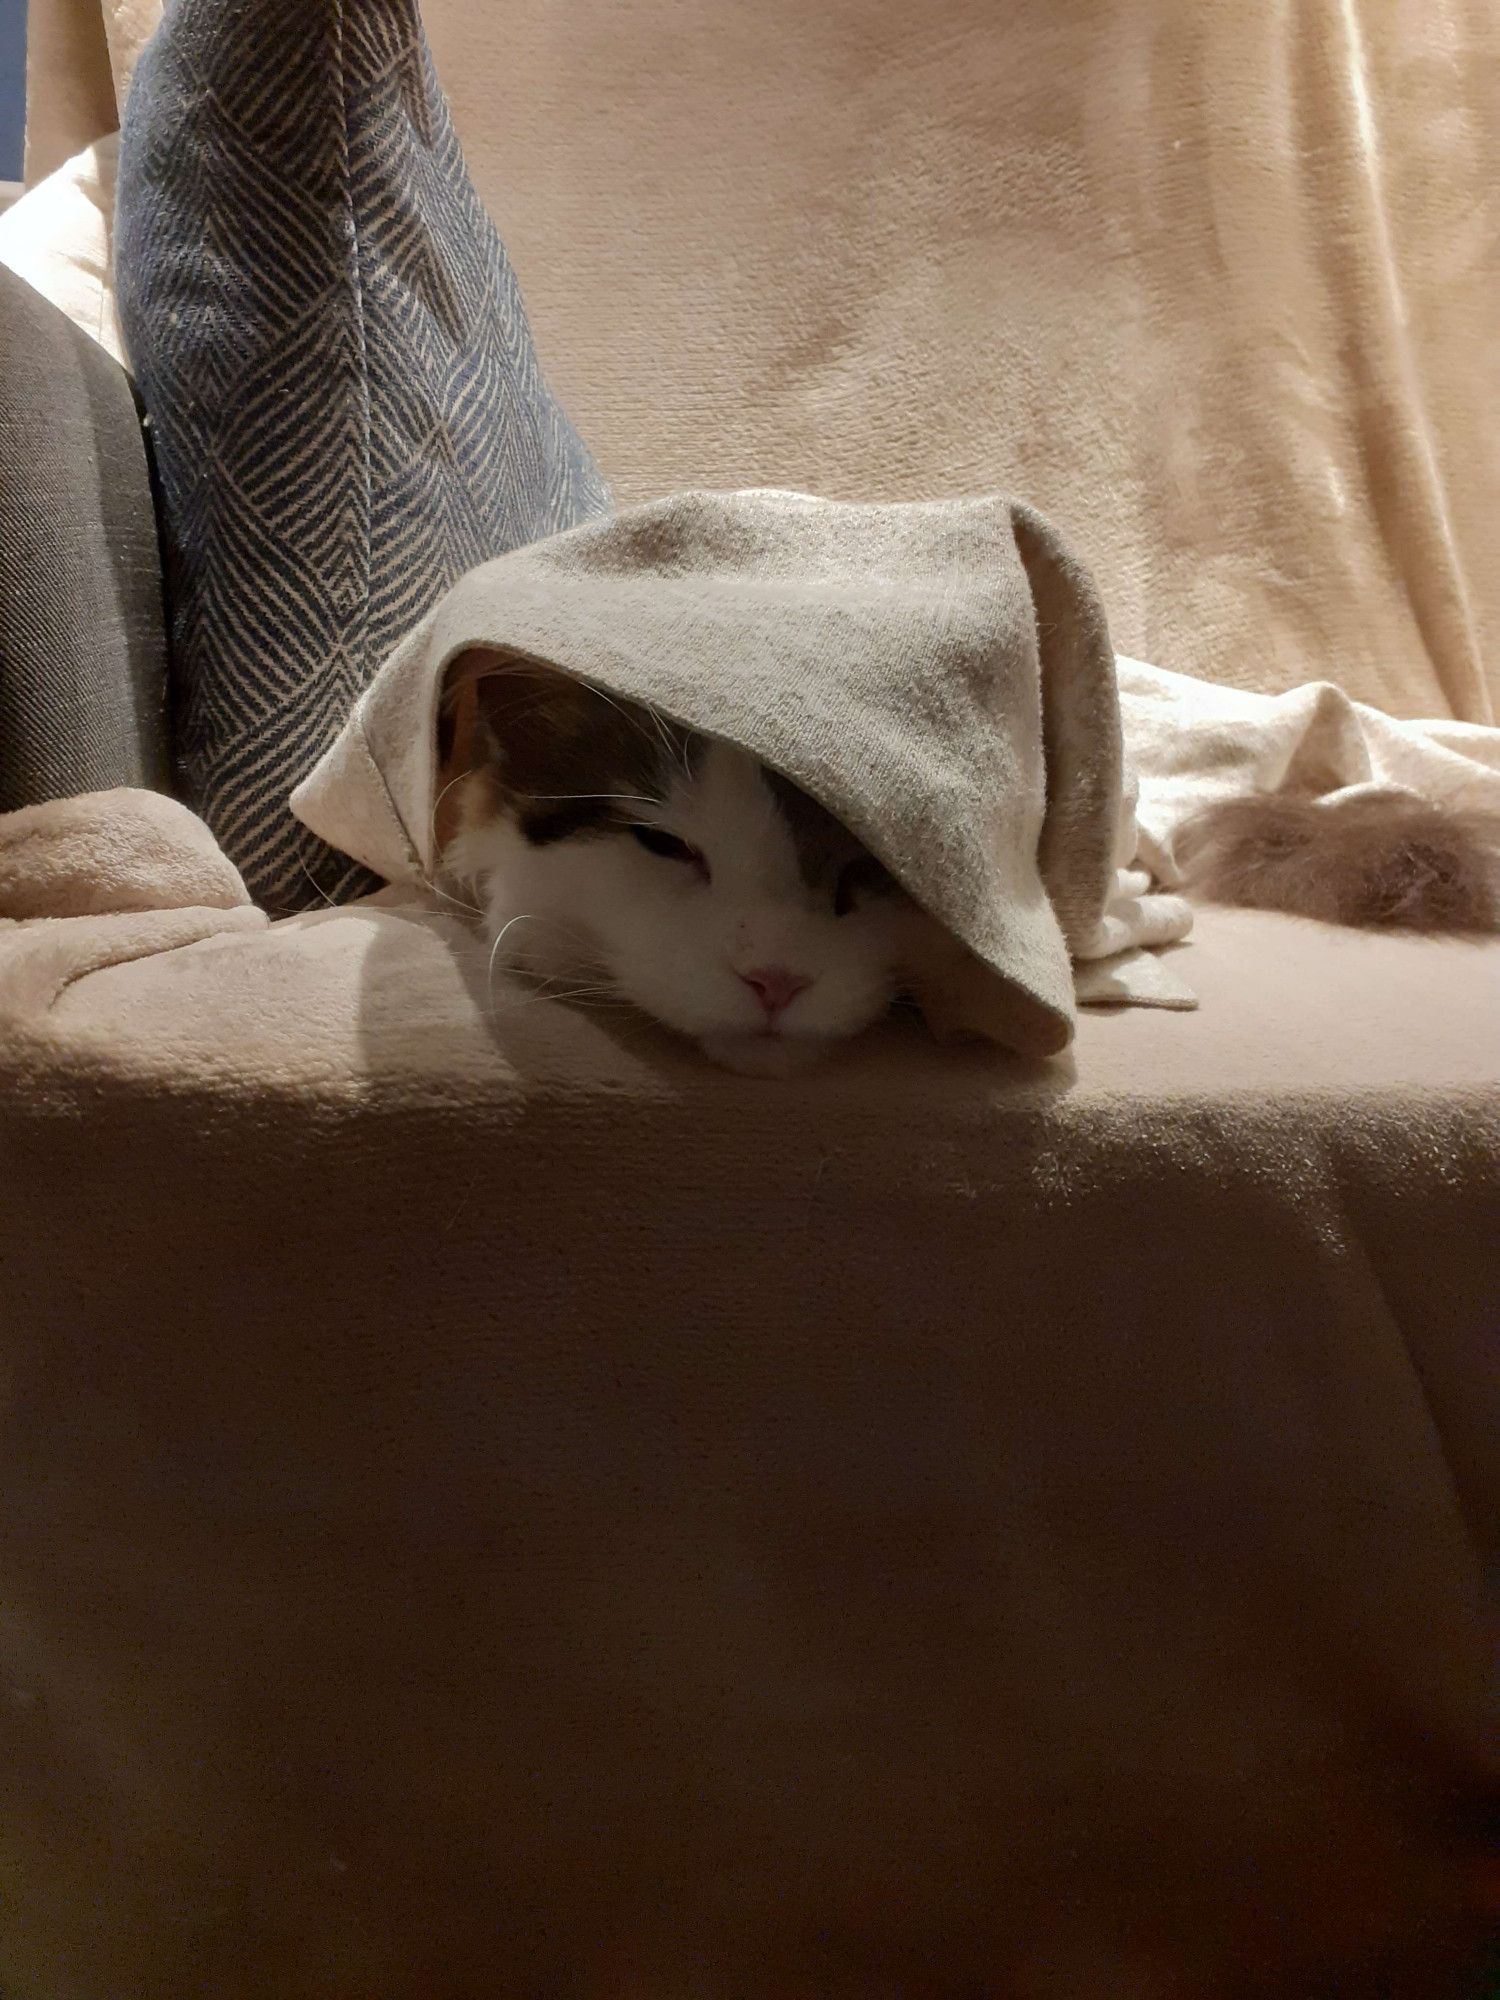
x,y
616,855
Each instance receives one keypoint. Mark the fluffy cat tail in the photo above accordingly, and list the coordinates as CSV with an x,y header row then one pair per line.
x,y
1373,858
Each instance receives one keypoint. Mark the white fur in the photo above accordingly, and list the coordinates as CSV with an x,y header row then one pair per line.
x,y
605,911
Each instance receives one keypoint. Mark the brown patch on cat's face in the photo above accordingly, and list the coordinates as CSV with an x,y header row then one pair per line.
x,y
560,757
831,860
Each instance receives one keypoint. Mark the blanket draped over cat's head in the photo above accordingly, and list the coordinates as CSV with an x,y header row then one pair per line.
x,y
937,675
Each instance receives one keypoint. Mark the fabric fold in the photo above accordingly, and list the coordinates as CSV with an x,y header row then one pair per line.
x,y
1193,744
937,674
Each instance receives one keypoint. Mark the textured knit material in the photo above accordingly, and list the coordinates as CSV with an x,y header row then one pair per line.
x,y
83,666
332,348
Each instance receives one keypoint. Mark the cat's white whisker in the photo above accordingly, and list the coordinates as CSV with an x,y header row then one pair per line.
x,y
520,918
590,983
437,806
469,909
634,720
596,996
599,998
316,883
676,752
610,702
435,888
565,798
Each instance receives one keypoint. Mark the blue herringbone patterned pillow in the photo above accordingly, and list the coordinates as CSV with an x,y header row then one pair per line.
x,y
336,364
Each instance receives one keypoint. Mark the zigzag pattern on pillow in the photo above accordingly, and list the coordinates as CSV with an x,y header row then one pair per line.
x,y
339,375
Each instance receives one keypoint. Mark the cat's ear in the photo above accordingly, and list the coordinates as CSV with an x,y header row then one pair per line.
x,y
494,704
487,696
458,720
505,720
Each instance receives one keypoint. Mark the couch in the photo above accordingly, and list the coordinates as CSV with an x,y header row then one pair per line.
x,y
490,1506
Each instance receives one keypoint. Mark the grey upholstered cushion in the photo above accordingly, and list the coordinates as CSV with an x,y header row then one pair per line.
x,y
83,672
333,351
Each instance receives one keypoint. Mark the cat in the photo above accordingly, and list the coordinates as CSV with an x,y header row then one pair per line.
x,y
616,855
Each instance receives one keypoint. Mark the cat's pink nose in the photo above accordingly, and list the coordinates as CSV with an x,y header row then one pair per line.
x,y
775,987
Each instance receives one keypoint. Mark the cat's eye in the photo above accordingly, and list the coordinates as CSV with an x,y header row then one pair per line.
x,y
860,878
656,840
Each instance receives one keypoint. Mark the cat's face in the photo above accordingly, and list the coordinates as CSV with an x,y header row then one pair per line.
x,y
617,856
